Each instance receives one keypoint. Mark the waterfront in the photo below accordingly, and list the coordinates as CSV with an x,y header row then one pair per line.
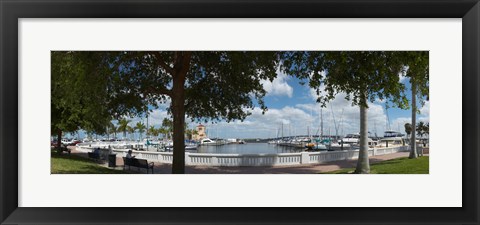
x,y
248,148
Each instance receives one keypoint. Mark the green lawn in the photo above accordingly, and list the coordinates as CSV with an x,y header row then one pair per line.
x,y
395,166
68,164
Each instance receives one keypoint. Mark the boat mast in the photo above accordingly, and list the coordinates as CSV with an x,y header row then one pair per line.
x,y
282,130
334,122
340,122
388,119
147,126
321,123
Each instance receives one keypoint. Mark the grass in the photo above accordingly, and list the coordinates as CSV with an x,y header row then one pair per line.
x,y
395,166
73,164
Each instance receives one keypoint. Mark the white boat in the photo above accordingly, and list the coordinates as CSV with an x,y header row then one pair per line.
x,y
391,139
207,141
351,138
188,147
392,133
354,140
272,142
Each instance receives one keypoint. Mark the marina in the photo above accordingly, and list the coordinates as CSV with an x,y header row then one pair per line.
x,y
245,159
233,108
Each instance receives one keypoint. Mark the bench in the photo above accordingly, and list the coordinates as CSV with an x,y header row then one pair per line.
x,y
93,155
63,149
139,163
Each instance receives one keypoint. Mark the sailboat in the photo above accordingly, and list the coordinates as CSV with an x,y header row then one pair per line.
x,y
318,144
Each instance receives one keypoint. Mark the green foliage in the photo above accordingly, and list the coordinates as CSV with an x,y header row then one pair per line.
x,y
141,128
408,128
131,130
417,69
167,124
78,92
218,84
423,129
362,75
190,133
395,166
123,126
153,132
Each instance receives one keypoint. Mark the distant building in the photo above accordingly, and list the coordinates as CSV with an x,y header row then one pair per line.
x,y
201,133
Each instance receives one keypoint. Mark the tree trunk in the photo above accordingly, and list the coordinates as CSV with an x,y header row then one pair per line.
x,y
413,141
363,164
59,138
178,111
182,65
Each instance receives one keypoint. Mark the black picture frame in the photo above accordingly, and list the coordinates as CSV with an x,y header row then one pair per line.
x,y
11,11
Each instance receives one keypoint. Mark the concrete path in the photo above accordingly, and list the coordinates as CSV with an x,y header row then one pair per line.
x,y
163,168
297,169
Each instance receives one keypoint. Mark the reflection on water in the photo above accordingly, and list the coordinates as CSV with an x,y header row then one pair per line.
x,y
248,148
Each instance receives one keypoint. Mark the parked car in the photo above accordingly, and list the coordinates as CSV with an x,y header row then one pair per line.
x,y
75,142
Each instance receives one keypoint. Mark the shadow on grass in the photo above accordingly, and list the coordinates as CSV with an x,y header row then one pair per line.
x,y
75,163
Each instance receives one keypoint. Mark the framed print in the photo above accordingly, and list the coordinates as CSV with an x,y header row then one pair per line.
x,y
101,82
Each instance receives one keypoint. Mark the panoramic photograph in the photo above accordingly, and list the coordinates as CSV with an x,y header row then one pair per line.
x,y
239,112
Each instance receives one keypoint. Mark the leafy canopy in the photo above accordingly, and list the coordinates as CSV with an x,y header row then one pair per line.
x,y
218,84
362,75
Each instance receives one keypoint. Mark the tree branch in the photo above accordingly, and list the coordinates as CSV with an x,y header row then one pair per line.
x,y
158,90
188,105
162,63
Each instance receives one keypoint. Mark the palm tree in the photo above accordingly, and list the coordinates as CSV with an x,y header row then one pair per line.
x,y
427,129
114,131
418,72
111,129
190,133
131,130
123,126
163,131
421,129
141,128
153,132
167,124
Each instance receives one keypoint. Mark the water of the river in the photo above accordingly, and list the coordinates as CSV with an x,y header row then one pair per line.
x,y
248,148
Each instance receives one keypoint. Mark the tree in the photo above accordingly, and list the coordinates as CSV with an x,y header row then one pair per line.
x,y
153,131
363,76
163,131
123,126
141,128
190,133
113,130
79,97
201,85
86,89
408,129
427,129
167,125
131,130
421,127
417,69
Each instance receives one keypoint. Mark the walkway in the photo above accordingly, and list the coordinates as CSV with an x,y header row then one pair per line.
x,y
163,168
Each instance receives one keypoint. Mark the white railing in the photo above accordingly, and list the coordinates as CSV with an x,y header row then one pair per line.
x,y
211,159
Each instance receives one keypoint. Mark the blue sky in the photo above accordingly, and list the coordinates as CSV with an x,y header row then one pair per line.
x,y
294,105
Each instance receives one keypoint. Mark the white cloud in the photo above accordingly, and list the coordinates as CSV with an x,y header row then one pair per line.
x,y
425,110
279,86
301,119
